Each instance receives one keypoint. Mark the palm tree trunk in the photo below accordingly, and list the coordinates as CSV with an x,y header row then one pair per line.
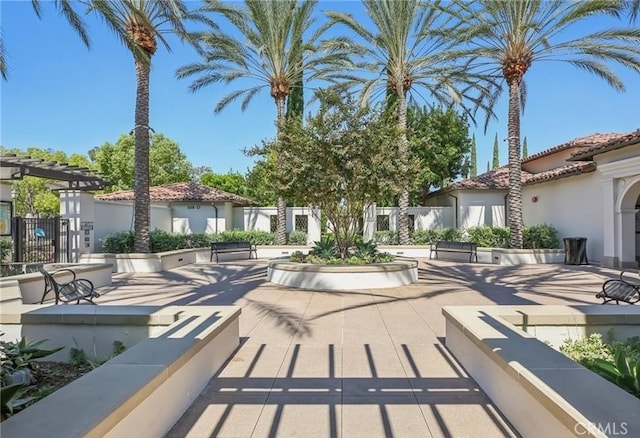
x,y
515,167
281,227
141,172
403,151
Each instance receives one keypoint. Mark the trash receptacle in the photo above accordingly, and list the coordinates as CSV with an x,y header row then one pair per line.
x,y
575,251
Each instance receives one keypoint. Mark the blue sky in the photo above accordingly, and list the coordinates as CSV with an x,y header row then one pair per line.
x,y
62,96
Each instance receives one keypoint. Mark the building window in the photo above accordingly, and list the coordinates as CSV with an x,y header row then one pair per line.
x,y
273,222
382,222
302,223
412,222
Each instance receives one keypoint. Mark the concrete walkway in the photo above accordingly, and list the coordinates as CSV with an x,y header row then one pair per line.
x,y
368,363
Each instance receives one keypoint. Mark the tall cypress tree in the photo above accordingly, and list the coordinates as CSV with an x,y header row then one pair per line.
x,y
488,168
496,153
473,168
525,151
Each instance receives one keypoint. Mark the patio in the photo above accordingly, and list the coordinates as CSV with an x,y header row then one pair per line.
x,y
351,363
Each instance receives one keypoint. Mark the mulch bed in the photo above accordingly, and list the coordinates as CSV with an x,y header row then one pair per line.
x,y
51,376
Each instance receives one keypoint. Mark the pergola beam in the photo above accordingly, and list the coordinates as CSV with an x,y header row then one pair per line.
x,y
78,178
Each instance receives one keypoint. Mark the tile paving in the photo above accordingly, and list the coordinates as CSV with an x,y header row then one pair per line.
x,y
369,363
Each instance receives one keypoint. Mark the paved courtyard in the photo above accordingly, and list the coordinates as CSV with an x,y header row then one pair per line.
x,y
368,363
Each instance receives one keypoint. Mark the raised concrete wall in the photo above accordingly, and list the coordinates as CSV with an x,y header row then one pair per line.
x,y
31,286
143,391
539,390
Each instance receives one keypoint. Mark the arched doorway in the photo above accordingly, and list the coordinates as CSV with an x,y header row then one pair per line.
x,y
629,223
638,230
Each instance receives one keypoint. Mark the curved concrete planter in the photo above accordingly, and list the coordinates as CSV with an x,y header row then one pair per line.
x,y
347,277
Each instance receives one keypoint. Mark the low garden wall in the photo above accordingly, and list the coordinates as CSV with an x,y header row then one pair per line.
x,y
343,277
172,354
30,287
161,261
540,390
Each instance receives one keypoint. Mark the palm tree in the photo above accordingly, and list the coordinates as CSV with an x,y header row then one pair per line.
x,y
139,24
507,37
405,50
634,9
65,8
272,53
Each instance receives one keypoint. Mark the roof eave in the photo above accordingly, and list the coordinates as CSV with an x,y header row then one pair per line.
x,y
588,156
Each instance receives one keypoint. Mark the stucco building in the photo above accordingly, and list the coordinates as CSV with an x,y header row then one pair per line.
x,y
588,187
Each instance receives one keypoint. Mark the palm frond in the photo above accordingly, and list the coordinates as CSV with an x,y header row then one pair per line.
x,y
233,97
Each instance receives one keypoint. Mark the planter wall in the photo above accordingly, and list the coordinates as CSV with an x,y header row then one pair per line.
x,y
349,277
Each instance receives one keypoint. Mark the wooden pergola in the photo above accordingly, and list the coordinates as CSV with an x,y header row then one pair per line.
x,y
13,167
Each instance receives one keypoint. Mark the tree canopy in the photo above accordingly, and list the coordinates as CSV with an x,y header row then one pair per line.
x,y
232,182
341,161
440,144
167,163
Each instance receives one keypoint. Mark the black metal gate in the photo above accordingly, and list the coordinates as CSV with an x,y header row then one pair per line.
x,y
41,240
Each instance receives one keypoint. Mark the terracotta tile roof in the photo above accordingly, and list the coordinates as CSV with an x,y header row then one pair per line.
x,y
185,191
559,172
494,179
498,179
583,143
610,145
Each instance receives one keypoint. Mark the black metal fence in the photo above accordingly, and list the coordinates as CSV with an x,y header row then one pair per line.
x,y
41,240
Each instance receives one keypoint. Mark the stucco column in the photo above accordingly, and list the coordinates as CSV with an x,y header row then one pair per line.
x,y
369,229
627,228
315,230
228,217
609,259
78,207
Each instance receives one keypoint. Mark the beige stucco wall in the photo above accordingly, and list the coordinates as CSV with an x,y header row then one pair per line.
x,y
475,207
114,217
572,205
481,207
199,215
548,162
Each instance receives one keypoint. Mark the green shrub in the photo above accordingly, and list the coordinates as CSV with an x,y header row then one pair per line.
x,y
119,243
501,236
423,237
386,238
449,234
16,360
631,347
78,358
623,370
540,237
199,240
365,250
619,363
297,257
325,249
255,237
5,250
489,237
297,238
483,236
384,257
162,241
587,349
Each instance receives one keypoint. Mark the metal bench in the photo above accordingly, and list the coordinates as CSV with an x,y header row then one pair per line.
x,y
470,248
619,289
75,289
232,247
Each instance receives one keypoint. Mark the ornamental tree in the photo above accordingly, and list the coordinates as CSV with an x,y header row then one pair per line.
x,y
341,160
